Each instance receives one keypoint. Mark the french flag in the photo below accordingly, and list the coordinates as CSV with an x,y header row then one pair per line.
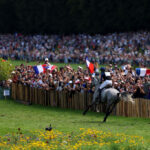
x,y
40,68
142,71
90,66
51,67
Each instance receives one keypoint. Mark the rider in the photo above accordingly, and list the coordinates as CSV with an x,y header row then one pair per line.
x,y
106,77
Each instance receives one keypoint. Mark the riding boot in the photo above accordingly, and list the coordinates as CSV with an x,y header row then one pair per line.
x,y
100,90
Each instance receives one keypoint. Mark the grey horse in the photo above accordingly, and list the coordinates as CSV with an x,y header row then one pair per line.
x,y
110,97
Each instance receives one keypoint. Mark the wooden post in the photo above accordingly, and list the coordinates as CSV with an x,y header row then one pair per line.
x,y
148,105
79,101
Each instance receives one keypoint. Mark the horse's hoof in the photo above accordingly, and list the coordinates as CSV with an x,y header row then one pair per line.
x,y
84,113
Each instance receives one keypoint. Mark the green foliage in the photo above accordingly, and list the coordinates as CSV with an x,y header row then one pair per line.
x,y
5,69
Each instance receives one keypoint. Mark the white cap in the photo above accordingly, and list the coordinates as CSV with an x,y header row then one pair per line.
x,y
9,80
46,59
80,67
70,81
13,72
50,75
93,75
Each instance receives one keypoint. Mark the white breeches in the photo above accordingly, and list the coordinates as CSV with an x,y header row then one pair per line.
x,y
105,84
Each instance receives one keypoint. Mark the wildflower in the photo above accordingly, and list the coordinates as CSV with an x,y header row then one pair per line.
x,y
81,128
59,140
65,142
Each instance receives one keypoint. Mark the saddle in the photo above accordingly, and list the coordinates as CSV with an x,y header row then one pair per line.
x,y
107,87
100,90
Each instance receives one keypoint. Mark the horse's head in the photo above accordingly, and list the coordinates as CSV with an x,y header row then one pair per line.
x,y
127,97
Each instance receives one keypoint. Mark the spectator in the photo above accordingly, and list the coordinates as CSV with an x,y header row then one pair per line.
x,y
67,79
114,48
138,92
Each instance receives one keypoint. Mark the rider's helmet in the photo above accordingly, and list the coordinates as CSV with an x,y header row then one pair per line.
x,y
102,69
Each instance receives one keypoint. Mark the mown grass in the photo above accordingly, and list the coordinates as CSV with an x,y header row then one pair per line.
x,y
74,66
35,117
18,62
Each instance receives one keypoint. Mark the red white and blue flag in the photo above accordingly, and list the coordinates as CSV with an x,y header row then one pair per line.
x,y
90,66
51,67
142,71
40,69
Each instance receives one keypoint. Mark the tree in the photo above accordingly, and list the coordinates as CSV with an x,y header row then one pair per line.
x,y
73,16
5,69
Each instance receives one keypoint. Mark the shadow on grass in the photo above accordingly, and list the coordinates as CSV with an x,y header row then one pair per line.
x,y
99,122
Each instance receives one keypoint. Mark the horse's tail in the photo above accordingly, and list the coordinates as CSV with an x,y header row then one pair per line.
x,y
119,96
130,99
127,98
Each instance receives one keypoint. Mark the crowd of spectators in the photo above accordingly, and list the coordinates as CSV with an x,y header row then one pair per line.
x,y
120,49
113,48
80,80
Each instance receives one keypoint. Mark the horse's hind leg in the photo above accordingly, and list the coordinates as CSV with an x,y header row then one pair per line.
x,y
95,97
86,110
109,111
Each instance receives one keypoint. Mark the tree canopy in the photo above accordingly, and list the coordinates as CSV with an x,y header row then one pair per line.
x,y
6,69
73,16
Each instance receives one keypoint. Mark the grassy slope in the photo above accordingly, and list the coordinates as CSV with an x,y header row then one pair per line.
x,y
14,115
75,66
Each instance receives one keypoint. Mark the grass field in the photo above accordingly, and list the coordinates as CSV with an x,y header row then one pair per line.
x,y
74,66
34,117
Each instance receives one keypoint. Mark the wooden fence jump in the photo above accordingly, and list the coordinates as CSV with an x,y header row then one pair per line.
x,y
77,101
